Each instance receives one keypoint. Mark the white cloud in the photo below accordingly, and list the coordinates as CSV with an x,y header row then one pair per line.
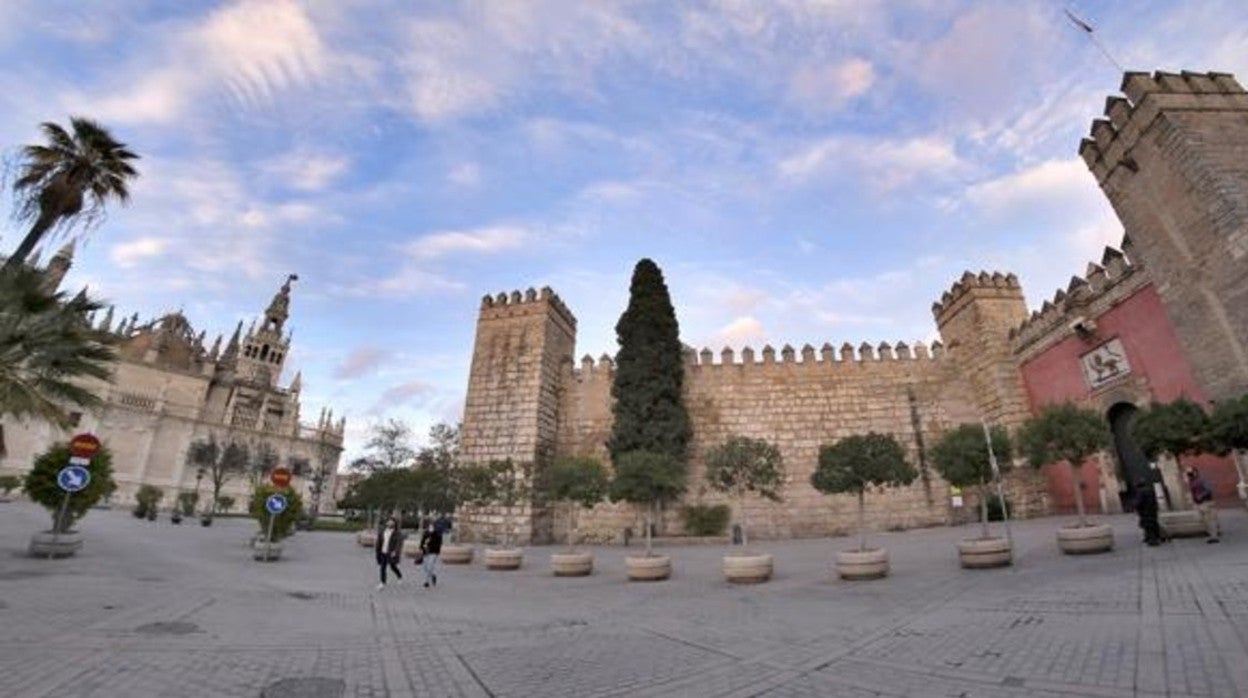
x,y
487,240
884,164
127,254
824,88
1053,184
361,361
307,171
465,174
741,331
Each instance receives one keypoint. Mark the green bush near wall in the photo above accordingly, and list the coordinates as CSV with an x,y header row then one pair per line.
x,y
703,520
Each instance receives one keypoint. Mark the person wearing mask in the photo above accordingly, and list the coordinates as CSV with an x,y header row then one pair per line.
x,y
430,548
388,548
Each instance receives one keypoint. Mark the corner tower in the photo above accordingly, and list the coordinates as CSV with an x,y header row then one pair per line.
x,y
263,351
1172,158
511,409
975,318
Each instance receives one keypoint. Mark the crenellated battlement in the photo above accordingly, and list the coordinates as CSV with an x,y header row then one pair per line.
x,y
982,285
530,302
826,357
1111,139
1114,277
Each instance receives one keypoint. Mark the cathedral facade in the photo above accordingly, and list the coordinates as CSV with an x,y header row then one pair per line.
x,y
170,389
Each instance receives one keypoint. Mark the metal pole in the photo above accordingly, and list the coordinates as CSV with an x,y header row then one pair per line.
x,y
996,477
56,525
268,541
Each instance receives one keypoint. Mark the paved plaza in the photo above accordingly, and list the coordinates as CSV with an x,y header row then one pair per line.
x,y
152,609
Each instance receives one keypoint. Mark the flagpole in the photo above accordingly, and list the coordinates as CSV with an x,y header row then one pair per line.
x,y
996,476
1091,32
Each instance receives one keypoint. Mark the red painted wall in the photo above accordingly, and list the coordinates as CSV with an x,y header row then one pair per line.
x,y
1140,322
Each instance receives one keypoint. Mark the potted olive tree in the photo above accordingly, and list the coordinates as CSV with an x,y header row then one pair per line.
x,y
739,467
1177,429
511,487
147,502
578,483
963,459
850,466
1228,434
645,478
8,483
1070,434
283,524
469,484
62,540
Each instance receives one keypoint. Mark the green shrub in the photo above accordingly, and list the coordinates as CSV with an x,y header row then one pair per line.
x,y
146,500
703,520
8,483
187,502
41,485
224,504
996,512
323,524
284,523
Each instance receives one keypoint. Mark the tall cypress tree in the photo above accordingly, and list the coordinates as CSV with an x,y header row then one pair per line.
x,y
649,405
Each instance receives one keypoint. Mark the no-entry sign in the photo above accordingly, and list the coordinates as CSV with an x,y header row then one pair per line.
x,y
280,477
84,446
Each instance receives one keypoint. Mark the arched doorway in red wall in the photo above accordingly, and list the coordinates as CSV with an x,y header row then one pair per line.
x,y
1132,463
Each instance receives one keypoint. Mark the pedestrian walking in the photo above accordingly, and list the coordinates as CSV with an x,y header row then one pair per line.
x,y
1146,509
430,549
388,548
1202,496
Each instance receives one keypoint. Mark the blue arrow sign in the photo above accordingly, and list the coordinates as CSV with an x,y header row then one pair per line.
x,y
73,478
276,503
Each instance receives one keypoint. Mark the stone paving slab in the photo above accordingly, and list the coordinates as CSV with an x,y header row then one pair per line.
x,y
152,609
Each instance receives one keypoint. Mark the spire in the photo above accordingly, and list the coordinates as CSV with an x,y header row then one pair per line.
x,y
66,252
297,384
231,349
279,308
216,349
251,329
107,325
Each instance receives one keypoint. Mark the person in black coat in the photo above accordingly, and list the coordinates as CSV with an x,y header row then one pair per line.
x,y
388,548
430,549
1146,509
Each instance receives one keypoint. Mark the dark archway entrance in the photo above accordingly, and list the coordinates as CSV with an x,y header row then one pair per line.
x,y
1132,463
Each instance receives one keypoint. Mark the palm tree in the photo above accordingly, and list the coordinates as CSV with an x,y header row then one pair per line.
x,y
67,178
46,347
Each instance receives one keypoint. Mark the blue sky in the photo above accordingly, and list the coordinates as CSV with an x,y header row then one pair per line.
x,y
802,171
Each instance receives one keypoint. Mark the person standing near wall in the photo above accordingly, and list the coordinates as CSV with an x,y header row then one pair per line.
x,y
1202,496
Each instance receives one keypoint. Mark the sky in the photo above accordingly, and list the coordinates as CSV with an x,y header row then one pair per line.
x,y
803,171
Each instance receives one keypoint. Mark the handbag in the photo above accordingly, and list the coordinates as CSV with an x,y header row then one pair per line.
x,y
420,557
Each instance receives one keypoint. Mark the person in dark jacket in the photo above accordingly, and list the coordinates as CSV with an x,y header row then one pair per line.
x,y
430,548
389,547
1146,509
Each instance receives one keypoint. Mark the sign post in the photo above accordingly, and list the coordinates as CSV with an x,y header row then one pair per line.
x,y
275,504
72,478
280,477
996,477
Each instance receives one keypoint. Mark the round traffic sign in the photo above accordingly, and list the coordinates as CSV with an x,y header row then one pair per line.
x,y
275,504
280,477
73,478
84,446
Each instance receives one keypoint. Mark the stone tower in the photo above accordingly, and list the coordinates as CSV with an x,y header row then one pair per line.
x,y
263,351
1172,157
523,342
975,318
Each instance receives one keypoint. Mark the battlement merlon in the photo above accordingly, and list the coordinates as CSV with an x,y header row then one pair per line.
x,y
531,302
1112,138
974,287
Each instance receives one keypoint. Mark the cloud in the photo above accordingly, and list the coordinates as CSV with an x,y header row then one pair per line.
x,y
402,394
1059,194
883,164
127,254
306,171
741,331
360,362
465,174
486,240
824,88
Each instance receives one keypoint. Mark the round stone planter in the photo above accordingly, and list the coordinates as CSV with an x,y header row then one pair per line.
x,y
984,553
1085,540
411,546
205,521
572,564
1182,524
47,544
367,538
747,569
266,553
455,554
648,569
862,564
503,559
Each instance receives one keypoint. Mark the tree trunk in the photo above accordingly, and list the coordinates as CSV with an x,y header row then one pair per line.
x,y
1076,471
745,540
572,517
42,225
862,526
649,525
983,509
